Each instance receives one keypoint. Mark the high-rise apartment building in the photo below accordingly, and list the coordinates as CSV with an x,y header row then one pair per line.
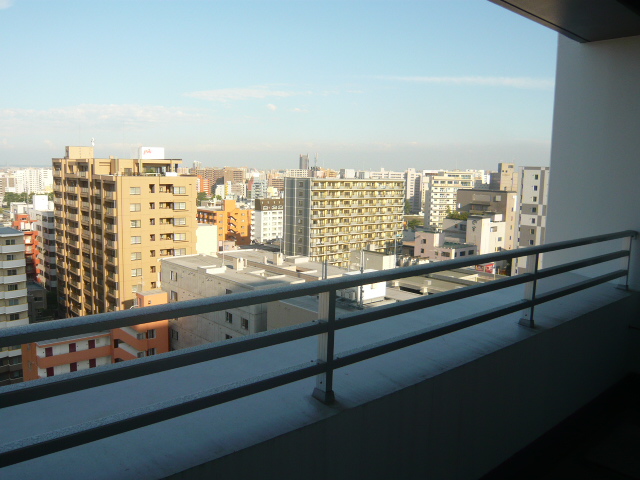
x,y
268,219
440,195
533,191
325,219
115,218
13,300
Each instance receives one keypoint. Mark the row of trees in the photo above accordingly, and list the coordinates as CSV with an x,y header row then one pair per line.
x,y
11,197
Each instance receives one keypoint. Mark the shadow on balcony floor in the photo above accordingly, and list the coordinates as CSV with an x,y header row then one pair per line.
x,y
601,442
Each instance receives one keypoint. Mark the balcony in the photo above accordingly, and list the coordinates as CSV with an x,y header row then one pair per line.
x,y
406,377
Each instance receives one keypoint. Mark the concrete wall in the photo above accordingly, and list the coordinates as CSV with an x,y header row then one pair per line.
x,y
594,156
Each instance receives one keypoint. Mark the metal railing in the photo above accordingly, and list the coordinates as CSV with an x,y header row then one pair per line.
x,y
324,328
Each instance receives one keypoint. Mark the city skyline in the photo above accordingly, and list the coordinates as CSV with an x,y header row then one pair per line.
x,y
258,83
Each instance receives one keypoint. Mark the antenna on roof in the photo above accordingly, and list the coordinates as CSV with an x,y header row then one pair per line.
x,y
93,142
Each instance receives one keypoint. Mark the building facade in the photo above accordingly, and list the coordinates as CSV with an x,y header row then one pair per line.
x,y
440,195
71,354
234,223
13,300
268,220
115,218
489,202
326,219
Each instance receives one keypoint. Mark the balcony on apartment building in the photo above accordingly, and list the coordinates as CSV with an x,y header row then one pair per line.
x,y
448,385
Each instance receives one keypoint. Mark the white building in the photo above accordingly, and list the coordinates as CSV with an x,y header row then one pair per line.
x,y
268,220
13,300
440,195
33,180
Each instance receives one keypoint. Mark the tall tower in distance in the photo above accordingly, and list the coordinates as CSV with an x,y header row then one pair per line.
x,y
304,162
115,219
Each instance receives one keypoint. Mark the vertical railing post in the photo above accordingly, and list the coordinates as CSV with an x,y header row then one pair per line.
x,y
624,281
324,381
530,291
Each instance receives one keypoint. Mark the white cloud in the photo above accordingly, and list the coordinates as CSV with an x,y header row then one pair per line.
x,y
512,82
5,4
299,110
271,107
96,115
229,94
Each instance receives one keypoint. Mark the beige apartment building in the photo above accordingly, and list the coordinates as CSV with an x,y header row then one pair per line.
x,y
115,219
326,219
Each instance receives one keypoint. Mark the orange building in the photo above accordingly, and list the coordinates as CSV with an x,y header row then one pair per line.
x,y
71,354
234,224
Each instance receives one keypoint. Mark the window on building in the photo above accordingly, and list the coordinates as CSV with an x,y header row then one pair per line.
x,y
536,177
48,352
244,324
151,351
151,333
179,252
11,241
136,255
152,253
179,205
152,205
14,316
179,221
535,188
533,220
173,296
179,190
152,269
73,367
227,337
135,240
228,317
14,301
136,272
92,363
136,223
135,207
179,237
134,190
50,372
12,271
173,275
174,334
462,254
531,242
92,343
11,257
535,199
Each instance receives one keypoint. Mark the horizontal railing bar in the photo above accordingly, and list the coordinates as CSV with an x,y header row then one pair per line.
x,y
567,267
369,315
413,338
69,437
107,321
579,286
59,385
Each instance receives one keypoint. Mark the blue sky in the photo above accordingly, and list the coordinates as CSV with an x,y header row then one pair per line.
x,y
365,84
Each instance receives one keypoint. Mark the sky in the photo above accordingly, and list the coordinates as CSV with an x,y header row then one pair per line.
x,y
428,84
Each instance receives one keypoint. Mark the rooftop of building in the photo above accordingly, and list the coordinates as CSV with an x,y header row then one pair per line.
x,y
8,231
259,266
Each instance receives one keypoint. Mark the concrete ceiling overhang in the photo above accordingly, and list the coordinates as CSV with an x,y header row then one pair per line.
x,y
581,20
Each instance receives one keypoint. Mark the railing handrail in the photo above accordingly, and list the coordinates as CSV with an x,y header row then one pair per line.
x,y
324,328
110,320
